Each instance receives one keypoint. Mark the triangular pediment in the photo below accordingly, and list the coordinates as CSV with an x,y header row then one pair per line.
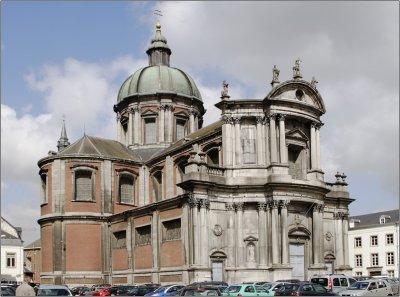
x,y
297,134
149,112
181,114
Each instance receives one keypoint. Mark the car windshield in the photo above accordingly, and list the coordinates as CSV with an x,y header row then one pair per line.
x,y
201,292
233,289
320,280
267,286
161,289
359,286
52,292
261,289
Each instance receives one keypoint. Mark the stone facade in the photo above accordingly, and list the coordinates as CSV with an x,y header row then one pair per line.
x,y
171,202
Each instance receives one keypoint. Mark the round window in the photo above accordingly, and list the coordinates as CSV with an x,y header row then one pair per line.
x,y
299,94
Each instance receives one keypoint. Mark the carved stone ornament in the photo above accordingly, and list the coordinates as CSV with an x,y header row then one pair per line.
x,y
328,236
239,206
230,206
227,119
217,230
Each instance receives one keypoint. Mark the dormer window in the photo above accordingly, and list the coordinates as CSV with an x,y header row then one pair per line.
x,y
384,219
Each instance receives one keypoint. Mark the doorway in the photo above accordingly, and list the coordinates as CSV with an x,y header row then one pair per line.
x,y
296,251
217,272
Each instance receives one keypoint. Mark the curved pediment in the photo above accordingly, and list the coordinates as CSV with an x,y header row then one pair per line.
x,y
219,254
299,230
298,91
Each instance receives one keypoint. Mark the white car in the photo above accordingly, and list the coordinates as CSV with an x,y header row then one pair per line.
x,y
371,287
53,290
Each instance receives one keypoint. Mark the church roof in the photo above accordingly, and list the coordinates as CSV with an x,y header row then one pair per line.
x,y
99,147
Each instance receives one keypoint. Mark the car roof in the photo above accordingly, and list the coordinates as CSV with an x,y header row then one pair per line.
x,y
53,287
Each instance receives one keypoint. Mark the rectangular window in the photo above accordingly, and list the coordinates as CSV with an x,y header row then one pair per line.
x,y
43,188
357,242
389,239
126,189
390,258
358,273
248,137
119,240
374,240
150,131
143,235
83,185
180,128
11,260
172,230
358,260
374,260
390,273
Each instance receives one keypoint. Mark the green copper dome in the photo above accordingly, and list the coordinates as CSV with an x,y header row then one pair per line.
x,y
159,77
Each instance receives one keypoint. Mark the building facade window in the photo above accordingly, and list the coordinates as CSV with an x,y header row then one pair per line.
x,y
157,186
248,138
389,239
171,230
126,188
143,235
374,240
84,185
181,128
119,240
390,273
11,260
150,135
358,260
374,260
357,242
358,273
43,188
390,258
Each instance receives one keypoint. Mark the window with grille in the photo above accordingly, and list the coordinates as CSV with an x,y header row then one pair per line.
x,y
43,188
143,235
358,260
357,242
180,128
248,138
83,185
172,230
150,135
126,189
11,260
374,260
389,239
119,240
374,240
390,258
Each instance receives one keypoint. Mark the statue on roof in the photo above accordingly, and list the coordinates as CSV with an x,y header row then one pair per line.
x,y
224,92
296,69
314,82
275,76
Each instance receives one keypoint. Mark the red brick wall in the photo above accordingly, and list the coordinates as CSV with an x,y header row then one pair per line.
x,y
171,254
120,259
143,257
73,206
171,213
83,247
47,248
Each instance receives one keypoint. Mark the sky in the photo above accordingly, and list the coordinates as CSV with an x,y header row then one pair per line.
x,y
69,58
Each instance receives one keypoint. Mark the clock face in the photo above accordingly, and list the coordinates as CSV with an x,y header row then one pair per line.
x,y
217,230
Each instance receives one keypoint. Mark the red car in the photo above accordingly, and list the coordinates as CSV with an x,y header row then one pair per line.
x,y
102,292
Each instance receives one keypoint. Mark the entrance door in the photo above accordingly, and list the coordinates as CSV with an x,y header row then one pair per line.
x,y
329,267
297,260
217,274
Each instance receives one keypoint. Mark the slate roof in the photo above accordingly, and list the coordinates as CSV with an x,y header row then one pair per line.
x,y
373,218
36,244
99,147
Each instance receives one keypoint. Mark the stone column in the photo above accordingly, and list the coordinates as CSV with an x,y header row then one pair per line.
x,y
345,228
154,239
185,232
239,229
316,235
136,128
204,205
238,145
226,140
262,233
318,143
313,147
284,227
171,122
321,233
118,118
162,122
260,160
230,236
196,122
267,144
130,127
193,203
191,121
274,157
339,239
274,227
268,241
282,139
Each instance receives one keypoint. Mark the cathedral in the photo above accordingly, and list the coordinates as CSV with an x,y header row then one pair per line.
x,y
171,201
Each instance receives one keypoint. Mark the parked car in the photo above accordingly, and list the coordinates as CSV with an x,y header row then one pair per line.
x,y
244,290
76,291
333,282
139,291
199,290
304,289
53,290
99,287
371,287
122,290
273,287
102,292
166,290
7,291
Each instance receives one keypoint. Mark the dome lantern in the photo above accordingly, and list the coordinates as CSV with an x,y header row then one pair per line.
x,y
158,51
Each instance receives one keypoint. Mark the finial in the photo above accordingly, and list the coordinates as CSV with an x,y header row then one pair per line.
x,y
296,69
275,76
158,12
63,141
158,26
314,82
224,92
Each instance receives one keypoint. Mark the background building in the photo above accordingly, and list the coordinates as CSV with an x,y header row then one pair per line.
x,y
174,202
12,253
33,259
374,244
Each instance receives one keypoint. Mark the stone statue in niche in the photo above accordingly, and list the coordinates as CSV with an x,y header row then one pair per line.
x,y
251,253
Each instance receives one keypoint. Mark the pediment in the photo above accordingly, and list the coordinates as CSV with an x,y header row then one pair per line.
x,y
251,238
299,230
181,114
149,112
297,134
219,254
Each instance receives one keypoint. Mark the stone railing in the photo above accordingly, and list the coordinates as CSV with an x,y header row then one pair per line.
x,y
214,170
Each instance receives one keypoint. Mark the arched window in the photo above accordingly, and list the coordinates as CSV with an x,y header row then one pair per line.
x,y
43,188
157,186
213,156
180,172
126,188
